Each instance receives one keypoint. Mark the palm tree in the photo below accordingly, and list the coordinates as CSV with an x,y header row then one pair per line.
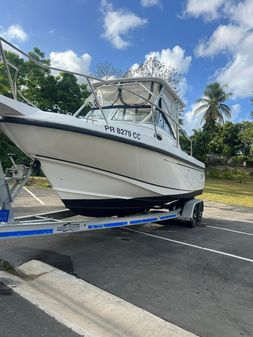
x,y
212,104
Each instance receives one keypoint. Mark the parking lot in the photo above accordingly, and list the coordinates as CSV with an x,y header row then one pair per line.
x,y
200,279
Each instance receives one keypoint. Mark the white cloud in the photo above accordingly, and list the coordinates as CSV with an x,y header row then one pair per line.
x,y
208,9
241,13
150,3
224,38
238,74
172,57
14,33
69,60
235,111
118,23
236,40
192,120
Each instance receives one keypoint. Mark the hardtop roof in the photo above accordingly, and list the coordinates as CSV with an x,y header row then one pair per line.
x,y
143,79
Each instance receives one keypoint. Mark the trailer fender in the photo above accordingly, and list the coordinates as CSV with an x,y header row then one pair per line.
x,y
192,211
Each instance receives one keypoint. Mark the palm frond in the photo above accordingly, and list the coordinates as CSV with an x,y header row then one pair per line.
x,y
226,110
220,118
200,108
203,100
208,114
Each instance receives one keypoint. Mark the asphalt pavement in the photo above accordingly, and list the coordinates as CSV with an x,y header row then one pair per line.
x,y
19,318
200,279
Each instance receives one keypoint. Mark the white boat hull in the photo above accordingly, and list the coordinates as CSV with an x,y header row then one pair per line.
x,y
100,176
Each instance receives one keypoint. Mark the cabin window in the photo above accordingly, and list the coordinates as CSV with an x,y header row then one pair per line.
x,y
163,124
96,114
131,114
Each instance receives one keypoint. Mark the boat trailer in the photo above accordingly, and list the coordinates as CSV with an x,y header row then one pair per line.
x,y
65,221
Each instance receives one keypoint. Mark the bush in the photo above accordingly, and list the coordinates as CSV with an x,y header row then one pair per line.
x,y
241,176
227,174
215,173
249,163
237,160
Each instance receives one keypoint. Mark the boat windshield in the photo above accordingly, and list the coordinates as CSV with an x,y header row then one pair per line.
x,y
121,113
140,115
131,114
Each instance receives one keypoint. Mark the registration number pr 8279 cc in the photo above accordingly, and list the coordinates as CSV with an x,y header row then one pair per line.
x,y
123,132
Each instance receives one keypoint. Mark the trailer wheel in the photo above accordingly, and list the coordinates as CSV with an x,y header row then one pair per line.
x,y
196,215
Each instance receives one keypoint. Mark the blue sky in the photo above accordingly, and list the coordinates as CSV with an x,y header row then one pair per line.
x,y
206,40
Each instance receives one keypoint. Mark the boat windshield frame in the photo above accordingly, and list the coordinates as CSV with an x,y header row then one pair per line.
x,y
94,84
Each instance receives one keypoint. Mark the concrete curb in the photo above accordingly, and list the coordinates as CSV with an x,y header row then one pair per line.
x,y
86,309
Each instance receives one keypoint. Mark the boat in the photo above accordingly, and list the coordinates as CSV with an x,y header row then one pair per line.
x,y
119,154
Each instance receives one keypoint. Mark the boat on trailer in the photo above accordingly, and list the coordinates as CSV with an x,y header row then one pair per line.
x,y
119,154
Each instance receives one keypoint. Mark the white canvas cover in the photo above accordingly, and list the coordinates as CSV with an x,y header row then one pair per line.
x,y
131,93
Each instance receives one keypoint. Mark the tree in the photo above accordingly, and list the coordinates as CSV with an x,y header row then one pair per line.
x,y
223,141
212,104
39,84
246,136
231,140
152,67
70,94
107,71
204,141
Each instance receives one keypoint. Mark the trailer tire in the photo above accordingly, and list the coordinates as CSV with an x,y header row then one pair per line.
x,y
196,215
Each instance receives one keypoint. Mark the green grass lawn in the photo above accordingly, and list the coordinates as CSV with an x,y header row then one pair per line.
x,y
38,182
230,192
